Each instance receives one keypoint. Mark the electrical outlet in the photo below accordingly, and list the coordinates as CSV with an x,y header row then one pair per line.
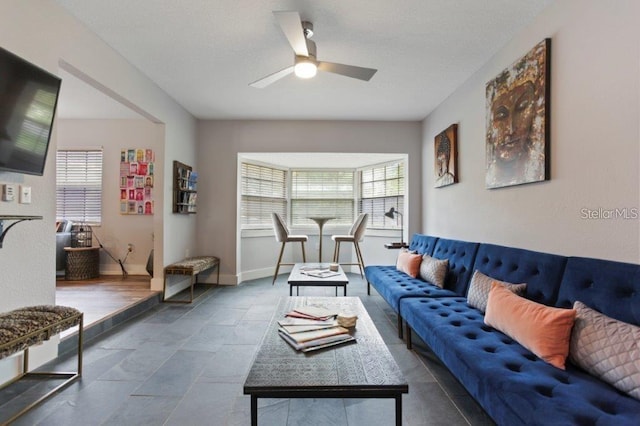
x,y
129,247
25,195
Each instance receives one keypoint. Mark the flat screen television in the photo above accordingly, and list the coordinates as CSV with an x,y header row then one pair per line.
x,y
28,100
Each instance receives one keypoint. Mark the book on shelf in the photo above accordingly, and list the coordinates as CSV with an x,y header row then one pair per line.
x,y
313,345
192,181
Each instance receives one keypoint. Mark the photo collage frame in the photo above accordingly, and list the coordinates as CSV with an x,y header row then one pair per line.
x,y
136,181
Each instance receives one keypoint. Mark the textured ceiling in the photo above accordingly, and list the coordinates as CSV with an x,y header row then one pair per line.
x,y
204,53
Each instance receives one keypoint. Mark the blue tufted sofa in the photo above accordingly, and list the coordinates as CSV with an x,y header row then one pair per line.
x,y
508,381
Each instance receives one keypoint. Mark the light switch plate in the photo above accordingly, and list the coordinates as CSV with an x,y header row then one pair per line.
x,y
25,194
8,192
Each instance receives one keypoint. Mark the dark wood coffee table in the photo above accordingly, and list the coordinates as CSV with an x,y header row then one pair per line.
x,y
298,279
364,369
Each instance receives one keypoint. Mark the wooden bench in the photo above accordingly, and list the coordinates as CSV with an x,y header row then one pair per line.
x,y
190,266
25,327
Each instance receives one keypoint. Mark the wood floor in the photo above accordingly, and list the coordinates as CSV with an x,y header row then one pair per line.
x,y
103,297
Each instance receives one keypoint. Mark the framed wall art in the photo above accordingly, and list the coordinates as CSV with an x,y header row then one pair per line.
x,y
136,181
517,111
446,156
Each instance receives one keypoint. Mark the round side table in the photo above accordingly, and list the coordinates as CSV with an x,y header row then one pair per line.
x,y
83,263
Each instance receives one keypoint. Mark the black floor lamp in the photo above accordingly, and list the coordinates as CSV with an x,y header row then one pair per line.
x,y
391,214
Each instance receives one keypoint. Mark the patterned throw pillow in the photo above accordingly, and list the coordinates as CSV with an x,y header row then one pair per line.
x,y
434,270
409,263
478,293
607,348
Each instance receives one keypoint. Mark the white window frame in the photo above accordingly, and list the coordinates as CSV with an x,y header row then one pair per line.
x,y
383,197
390,230
79,174
347,204
271,203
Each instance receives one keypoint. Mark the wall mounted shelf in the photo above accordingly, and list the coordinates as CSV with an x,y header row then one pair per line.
x,y
16,219
184,188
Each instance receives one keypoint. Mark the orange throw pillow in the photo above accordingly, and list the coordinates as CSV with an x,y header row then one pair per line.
x,y
544,330
409,263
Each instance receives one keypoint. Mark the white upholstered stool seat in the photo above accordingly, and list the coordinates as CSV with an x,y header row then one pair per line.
x,y
282,236
356,234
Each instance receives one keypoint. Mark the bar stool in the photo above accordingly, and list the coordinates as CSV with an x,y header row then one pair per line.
x,y
283,236
356,234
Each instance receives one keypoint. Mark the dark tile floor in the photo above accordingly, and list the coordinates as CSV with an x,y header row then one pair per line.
x,y
186,364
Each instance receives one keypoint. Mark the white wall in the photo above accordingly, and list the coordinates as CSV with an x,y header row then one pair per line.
x,y
219,143
595,157
117,230
43,33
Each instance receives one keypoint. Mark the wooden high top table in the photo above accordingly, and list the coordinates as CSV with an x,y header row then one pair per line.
x,y
364,369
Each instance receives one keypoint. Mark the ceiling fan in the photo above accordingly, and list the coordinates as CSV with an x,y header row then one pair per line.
x,y
305,63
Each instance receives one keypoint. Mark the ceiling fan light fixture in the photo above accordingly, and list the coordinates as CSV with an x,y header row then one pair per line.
x,y
305,68
306,64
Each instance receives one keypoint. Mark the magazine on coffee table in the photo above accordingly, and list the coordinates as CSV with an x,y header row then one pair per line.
x,y
313,345
320,273
317,313
306,321
296,325
291,329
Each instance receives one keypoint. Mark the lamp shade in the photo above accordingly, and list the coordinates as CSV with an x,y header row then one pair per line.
x,y
305,67
392,212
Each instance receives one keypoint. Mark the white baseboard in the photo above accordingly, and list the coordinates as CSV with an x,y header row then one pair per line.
x,y
262,273
225,279
132,269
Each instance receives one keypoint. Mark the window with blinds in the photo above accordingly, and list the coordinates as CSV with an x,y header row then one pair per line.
x,y
327,193
381,188
264,190
79,185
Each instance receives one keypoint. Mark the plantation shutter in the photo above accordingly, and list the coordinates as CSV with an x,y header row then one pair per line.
x,y
79,186
264,190
327,193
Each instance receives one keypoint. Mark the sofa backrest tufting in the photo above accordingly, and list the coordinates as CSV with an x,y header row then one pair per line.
x,y
612,288
423,244
461,255
541,271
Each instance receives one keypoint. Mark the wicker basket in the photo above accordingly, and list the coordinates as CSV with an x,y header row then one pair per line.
x,y
82,263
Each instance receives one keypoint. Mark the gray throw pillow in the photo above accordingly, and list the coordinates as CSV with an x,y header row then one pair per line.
x,y
606,348
478,293
434,270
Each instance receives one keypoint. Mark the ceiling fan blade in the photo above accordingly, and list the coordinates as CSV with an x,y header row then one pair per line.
x,y
347,70
291,26
272,78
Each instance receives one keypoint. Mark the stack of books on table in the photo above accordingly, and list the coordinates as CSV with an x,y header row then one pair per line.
x,y
311,328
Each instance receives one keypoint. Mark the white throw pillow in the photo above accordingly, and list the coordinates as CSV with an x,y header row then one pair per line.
x,y
478,292
434,270
606,348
